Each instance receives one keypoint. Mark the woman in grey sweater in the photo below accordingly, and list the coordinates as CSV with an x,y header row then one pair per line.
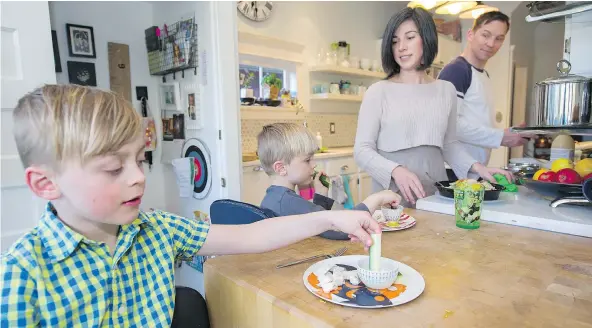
x,y
407,122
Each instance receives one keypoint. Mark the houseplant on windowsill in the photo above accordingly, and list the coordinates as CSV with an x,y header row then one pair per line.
x,y
274,84
246,78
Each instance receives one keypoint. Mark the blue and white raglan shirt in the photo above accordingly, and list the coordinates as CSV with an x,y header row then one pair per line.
x,y
475,108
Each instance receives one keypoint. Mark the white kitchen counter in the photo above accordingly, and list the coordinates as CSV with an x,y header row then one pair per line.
x,y
524,209
332,153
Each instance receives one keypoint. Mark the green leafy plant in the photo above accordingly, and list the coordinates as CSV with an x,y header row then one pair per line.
x,y
246,78
272,80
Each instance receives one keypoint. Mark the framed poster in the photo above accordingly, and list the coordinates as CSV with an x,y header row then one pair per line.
x,y
81,41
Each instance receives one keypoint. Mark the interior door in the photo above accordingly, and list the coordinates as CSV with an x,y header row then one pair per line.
x,y
501,75
27,63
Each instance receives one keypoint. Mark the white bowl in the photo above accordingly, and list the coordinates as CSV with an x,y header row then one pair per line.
x,y
392,214
381,279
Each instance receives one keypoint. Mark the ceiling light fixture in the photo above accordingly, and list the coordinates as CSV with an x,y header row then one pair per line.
x,y
425,4
455,7
476,11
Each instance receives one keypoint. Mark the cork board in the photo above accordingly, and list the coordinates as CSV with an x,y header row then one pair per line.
x,y
119,69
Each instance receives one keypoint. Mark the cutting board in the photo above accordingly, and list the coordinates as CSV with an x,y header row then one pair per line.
x,y
119,69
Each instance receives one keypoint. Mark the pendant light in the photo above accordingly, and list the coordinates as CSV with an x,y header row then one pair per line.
x,y
476,11
425,4
455,7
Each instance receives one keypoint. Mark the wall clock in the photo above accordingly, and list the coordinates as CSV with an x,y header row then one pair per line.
x,y
255,10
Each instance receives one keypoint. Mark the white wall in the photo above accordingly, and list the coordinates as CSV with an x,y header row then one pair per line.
x,y
120,22
579,28
316,24
548,50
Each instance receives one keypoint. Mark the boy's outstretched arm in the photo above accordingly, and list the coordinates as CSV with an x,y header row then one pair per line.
x,y
270,234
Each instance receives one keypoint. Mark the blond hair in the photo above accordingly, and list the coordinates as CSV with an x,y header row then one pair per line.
x,y
283,142
58,123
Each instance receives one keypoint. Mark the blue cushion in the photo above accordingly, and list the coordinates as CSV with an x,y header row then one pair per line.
x,y
227,211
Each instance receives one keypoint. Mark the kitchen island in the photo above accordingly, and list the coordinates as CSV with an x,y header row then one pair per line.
x,y
495,276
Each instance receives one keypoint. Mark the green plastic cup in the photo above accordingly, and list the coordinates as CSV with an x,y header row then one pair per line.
x,y
468,203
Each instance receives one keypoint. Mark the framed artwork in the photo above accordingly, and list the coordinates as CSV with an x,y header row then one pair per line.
x,y
170,96
191,106
82,73
81,41
56,52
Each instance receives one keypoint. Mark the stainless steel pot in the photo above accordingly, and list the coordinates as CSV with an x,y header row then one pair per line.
x,y
562,101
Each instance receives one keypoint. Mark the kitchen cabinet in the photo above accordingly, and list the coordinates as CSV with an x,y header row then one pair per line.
x,y
255,183
364,185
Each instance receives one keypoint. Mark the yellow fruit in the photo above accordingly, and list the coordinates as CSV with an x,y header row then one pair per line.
x,y
561,163
584,167
538,173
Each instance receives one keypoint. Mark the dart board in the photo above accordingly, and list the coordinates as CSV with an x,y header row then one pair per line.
x,y
202,166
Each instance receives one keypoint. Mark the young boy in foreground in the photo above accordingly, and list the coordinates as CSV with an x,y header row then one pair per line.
x,y
95,259
286,151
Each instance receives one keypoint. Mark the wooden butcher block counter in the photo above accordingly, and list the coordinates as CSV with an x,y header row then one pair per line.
x,y
495,276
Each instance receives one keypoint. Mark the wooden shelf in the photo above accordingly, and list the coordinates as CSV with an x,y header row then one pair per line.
x,y
336,97
268,109
347,71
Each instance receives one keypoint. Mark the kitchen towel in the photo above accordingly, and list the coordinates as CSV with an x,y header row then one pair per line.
x,y
337,191
502,180
185,173
349,203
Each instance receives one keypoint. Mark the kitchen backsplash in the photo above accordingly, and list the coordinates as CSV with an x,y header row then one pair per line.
x,y
345,129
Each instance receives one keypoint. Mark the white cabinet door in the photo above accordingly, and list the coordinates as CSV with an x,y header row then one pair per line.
x,y
365,185
255,183
27,63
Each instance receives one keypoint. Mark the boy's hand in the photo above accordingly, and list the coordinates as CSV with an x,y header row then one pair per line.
x,y
385,197
357,224
318,186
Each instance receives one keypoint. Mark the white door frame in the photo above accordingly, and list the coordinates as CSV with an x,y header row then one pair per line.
x,y
224,57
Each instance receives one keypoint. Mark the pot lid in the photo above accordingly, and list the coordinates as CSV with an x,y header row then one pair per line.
x,y
565,76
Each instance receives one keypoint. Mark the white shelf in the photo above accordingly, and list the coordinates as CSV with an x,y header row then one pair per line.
x,y
336,97
347,71
268,109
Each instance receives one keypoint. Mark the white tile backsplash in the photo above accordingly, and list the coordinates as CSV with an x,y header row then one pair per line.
x,y
345,129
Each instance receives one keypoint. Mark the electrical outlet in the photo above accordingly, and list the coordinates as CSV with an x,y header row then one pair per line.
x,y
332,128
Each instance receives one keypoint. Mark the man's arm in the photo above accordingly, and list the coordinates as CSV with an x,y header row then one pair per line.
x,y
19,295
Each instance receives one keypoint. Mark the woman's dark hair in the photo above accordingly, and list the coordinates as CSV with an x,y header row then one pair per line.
x,y
427,30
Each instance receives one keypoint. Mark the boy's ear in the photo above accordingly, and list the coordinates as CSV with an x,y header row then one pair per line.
x,y
40,182
280,168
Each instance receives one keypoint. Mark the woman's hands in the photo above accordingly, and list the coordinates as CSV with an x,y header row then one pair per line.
x,y
408,184
488,172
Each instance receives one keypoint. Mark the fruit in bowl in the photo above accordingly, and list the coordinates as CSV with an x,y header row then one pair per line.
x,y
569,176
549,176
538,173
561,163
584,167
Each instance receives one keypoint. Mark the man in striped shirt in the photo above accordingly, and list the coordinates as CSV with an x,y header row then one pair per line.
x,y
476,112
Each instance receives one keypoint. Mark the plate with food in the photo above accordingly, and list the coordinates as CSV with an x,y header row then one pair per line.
x,y
338,280
492,190
393,219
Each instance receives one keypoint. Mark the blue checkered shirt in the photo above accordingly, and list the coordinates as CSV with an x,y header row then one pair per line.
x,y
55,277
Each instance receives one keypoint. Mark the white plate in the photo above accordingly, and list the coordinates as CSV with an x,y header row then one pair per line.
x,y
362,297
405,222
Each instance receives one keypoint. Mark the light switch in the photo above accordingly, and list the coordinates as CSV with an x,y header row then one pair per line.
x,y
332,128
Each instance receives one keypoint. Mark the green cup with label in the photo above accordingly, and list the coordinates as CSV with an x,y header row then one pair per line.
x,y
468,202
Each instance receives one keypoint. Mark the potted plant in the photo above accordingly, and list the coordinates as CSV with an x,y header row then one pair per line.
x,y
246,78
274,84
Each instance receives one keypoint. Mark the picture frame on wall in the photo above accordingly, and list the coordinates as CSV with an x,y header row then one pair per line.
x,y
81,41
193,106
82,73
170,96
56,52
